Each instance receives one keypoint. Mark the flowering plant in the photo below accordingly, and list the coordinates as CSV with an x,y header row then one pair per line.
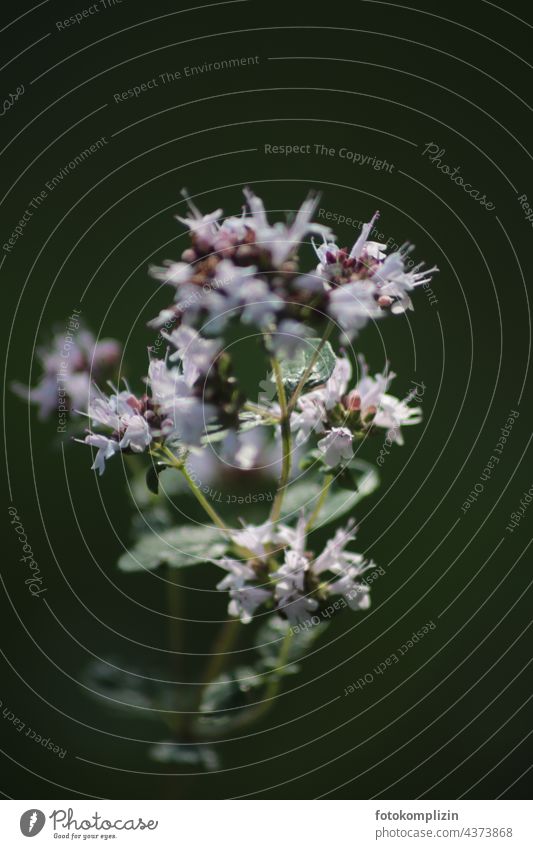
x,y
199,429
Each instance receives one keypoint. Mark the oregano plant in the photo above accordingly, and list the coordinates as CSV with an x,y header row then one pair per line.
x,y
298,444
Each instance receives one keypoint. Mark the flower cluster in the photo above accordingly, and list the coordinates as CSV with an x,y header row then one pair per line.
x,y
301,583
70,367
243,266
365,283
181,403
245,269
341,415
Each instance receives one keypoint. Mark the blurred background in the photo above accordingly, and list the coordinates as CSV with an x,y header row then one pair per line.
x,y
378,80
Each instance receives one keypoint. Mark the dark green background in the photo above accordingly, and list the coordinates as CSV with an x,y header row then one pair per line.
x,y
452,718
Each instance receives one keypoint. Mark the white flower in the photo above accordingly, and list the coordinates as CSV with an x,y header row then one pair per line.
x,y
174,273
166,384
308,418
238,572
337,384
394,281
218,298
260,304
393,414
312,408
330,254
72,363
196,354
137,435
281,239
190,417
354,305
334,558
347,566
289,591
368,393
371,398
106,449
180,412
114,411
357,595
295,538
335,387
254,537
361,244
204,227
245,598
336,446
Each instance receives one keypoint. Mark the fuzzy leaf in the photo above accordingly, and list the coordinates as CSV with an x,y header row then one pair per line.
x,y
152,476
178,547
305,492
230,691
293,369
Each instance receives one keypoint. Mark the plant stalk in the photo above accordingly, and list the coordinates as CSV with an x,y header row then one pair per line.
x,y
286,443
305,376
320,502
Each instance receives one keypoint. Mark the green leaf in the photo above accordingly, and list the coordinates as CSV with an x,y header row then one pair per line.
x,y
152,476
304,494
178,547
125,687
293,369
231,690
346,479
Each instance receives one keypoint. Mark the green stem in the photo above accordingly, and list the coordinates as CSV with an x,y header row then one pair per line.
x,y
175,634
265,414
305,376
220,653
320,502
272,689
286,443
198,494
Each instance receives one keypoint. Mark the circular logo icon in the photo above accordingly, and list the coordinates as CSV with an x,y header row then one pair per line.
x,y
32,822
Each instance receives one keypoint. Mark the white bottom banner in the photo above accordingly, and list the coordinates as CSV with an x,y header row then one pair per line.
x,y
263,824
